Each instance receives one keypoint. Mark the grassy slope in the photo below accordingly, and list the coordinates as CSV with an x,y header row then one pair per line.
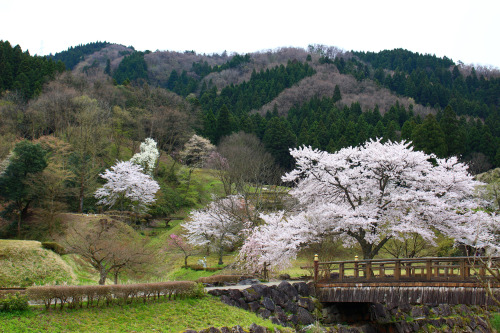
x,y
165,316
24,263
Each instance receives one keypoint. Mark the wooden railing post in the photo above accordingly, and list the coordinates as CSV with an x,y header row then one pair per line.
x,y
381,271
341,271
356,267
316,268
397,270
428,269
462,269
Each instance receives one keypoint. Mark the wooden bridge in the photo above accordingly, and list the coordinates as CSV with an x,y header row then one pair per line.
x,y
453,280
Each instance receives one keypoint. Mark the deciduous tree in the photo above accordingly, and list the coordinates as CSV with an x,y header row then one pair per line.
x,y
110,247
127,185
375,192
147,157
219,225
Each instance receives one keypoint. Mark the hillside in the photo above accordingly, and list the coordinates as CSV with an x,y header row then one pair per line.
x,y
25,263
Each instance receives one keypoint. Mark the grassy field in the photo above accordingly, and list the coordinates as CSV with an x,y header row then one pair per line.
x,y
162,316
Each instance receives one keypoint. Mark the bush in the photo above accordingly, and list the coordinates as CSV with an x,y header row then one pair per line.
x,y
14,302
125,293
54,247
220,279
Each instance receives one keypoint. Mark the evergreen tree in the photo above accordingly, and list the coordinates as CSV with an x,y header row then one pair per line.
x,y
429,137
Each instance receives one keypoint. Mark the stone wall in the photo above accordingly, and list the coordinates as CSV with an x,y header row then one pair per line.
x,y
406,318
294,305
285,304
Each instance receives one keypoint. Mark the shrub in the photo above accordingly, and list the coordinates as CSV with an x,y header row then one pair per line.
x,y
125,293
14,302
55,247
220,279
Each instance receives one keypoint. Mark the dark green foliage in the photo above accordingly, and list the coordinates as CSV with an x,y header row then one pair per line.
x,y
28,159
132,68
429,80
26,74
262,88
73,55
278,139
55,247
13,302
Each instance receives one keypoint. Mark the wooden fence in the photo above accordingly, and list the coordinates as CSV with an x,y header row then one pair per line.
x,y
449,269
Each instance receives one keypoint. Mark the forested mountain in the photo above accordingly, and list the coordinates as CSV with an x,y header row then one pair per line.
x,y
23,73
323,97
74,55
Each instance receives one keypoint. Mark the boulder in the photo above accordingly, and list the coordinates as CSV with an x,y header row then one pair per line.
x,y
264,313
286,288
237,329
250,295
306,303
302,288
268,304
254,306
278,297
379,313
254,328
291,307
304,317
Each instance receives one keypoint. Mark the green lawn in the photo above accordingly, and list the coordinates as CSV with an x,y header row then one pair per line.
x,y
162,316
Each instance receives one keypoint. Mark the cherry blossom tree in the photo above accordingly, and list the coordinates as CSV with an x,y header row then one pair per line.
x,y
147,156
219,225
127,185
369,194
179,243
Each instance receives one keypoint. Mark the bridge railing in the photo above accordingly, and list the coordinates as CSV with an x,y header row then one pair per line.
x,y
405,269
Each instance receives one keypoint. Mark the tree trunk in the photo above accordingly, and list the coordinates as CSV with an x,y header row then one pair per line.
x,y
81,195
116,276
102,278
221,251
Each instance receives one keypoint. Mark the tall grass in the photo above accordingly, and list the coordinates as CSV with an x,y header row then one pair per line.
x,y
163,316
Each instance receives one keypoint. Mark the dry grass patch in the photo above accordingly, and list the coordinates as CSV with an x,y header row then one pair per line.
x,y
25,263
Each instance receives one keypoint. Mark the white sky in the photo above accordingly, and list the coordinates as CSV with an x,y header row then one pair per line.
x,y
461,30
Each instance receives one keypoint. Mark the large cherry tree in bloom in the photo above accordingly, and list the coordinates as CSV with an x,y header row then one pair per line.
x,y
219,225
127,185
367,195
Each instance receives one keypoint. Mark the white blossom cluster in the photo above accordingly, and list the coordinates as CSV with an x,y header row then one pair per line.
x,y
369,194
219,224
126,181
147,156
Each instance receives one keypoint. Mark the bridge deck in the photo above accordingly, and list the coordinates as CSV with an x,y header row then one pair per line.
x,y
457,280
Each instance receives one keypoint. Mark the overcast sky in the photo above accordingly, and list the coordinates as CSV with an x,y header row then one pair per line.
x,y
466,31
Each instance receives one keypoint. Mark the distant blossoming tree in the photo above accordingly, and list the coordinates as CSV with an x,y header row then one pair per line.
x,y
127,185
219,225
368,195
147,156
179,243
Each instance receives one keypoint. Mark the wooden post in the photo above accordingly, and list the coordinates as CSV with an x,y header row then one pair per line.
x,y
341,271
356,268
428,269
462,269
316,268
397,270
381,271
